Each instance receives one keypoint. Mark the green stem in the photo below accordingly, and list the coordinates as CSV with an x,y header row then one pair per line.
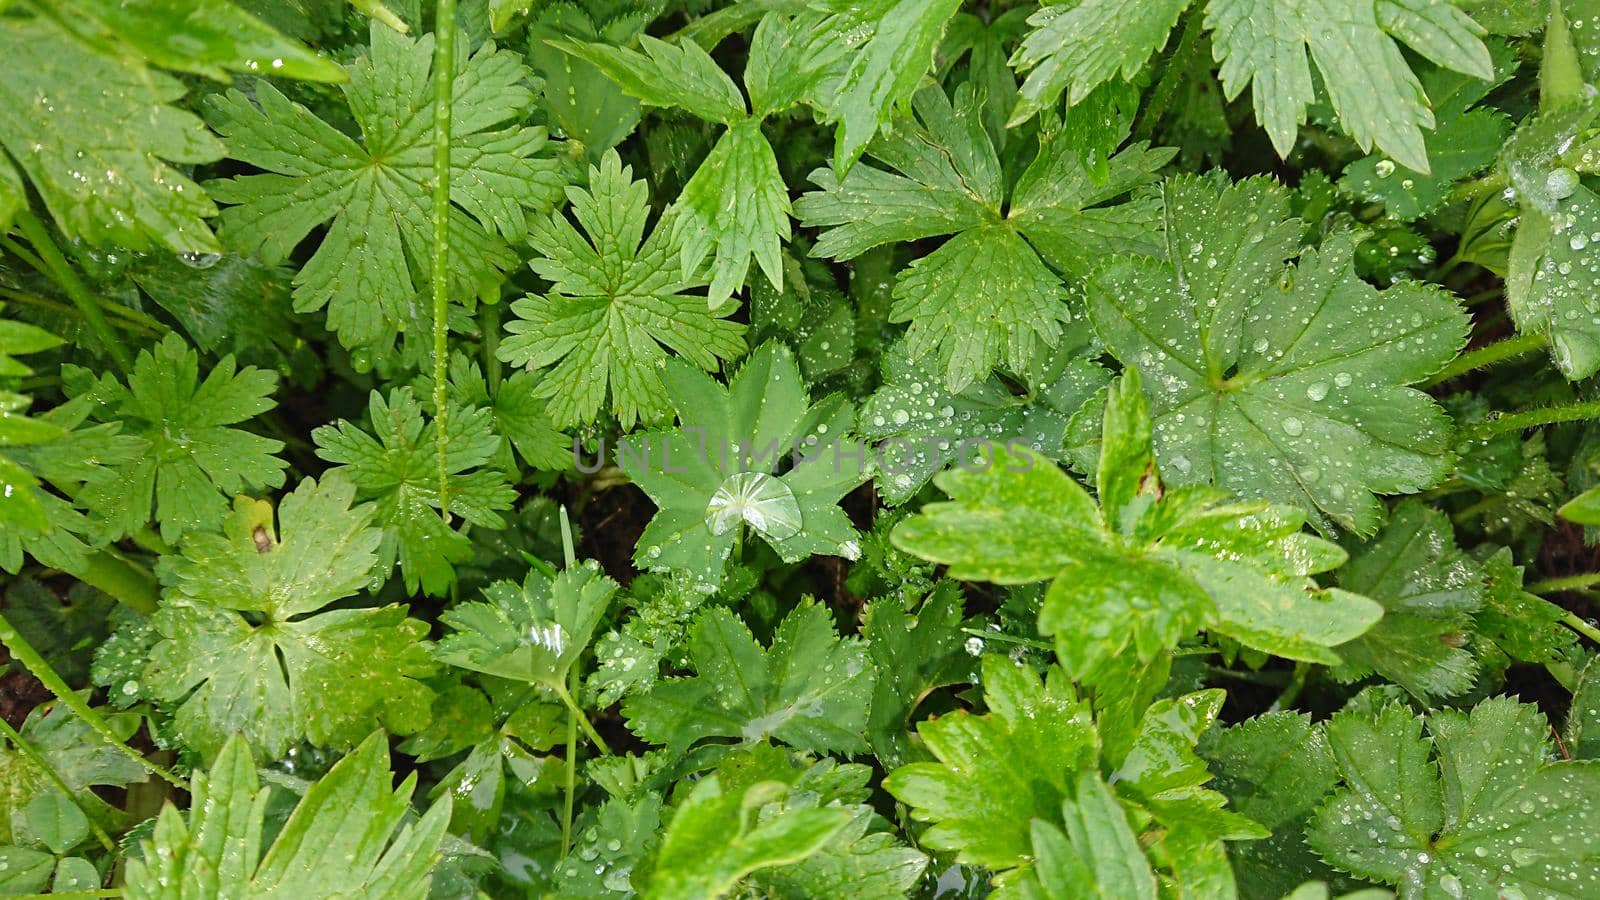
x,y
1171,77
444,76
583,720
572,776
60,271
1486,356
121,316
1291,693
38,759
489,325
1572,621
1534,418
1566,583
129,584
23,652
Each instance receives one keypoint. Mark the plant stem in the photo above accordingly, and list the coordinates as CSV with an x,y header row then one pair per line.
x,y
583,720
23,652
1565,583
489,325
1167,87
572,775
1534,418
1486,356
44,765
1572,621
1291,693
444,76
60,271
130,585
121,317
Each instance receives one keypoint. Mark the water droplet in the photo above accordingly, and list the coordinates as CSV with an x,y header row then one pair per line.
x,y
1562,182
1384,168
1293,427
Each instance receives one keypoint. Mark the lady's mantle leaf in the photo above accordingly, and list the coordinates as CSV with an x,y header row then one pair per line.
x,y
717,473
810,689
329,677
1478,811
1281,383
1429,590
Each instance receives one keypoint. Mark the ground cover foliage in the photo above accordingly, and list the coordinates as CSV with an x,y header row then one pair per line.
x,y
800,448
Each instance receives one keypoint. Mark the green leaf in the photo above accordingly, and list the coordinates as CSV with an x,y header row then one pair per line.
x,y
615,307
863,860
399,471
737,203
1097,855
997,771
883,75
810,689
714,839
301,673
1144,573
1466,141
716,474
1263,45
24,871
76,754
1582,732
96,134
203,37
187,460
1274,768
344,837
1583,509
1075,49
666,74
1281,383
519,417
583,104
924,428
533,632
985,297
1514,623
1487,815
375,191
54,822
1429,590
912,656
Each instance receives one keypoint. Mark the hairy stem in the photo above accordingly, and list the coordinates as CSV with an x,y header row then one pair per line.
x,y
23,652
1565,583
444,60
1486,356
60,271
1534,418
